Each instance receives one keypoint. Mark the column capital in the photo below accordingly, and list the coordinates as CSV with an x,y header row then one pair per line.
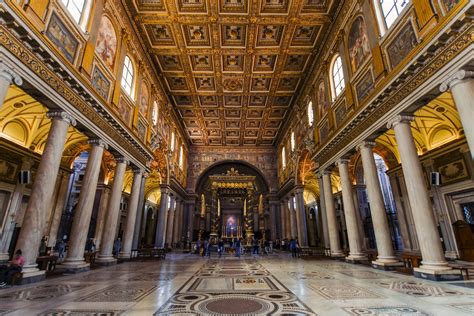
x,y
97,142
326,172
121,159
343,161
366,144
10,75
401,118
137,170
61,115
456,78
165,189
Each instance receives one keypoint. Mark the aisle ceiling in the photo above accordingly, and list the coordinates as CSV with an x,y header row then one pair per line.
x,y
232,68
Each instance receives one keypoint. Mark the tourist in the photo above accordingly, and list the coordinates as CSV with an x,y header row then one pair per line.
x,y
117,247
61,246
293,248
220,247
90,246
267,246
255,246
43,247
8,271
238,245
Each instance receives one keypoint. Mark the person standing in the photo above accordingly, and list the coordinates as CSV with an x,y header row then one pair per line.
x,y
293,248
220,247
117,247
238,245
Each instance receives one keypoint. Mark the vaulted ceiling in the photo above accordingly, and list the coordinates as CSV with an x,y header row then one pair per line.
x,y
232,68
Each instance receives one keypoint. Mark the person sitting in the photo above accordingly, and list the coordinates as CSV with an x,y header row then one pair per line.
x,y
8,271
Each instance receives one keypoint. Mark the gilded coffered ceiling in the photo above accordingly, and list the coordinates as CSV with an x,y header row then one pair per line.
x,y
232,68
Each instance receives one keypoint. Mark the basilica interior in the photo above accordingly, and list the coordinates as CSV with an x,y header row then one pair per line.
x,y
236,157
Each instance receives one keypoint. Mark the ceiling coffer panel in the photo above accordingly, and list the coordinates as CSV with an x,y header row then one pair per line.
x,y
232,68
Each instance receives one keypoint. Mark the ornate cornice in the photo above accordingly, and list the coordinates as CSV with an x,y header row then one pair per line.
x,y
10,75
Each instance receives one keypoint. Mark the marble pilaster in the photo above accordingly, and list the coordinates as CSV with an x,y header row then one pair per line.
x,y
292,211
386,255
334,241
8,76
113,212
170,224
434,264
178,221
273,219
322,209
355,240
283,219
141,217
461,85
127,240
43,186
74,260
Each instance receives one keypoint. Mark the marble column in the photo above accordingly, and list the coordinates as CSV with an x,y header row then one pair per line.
x,y
301,217
101,215
461,85
433,263
293,227
334,241
140,223
283,219
288,219
43,187
113,212
58,208
162,216
177,222
74,260
170,224
8,76
127,240
322,209
190,206
385,252
273,219
355,240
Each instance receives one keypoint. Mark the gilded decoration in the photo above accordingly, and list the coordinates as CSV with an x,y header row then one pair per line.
x,y
402,45
232,67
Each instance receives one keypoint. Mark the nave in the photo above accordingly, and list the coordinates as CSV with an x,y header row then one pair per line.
x,y
251,285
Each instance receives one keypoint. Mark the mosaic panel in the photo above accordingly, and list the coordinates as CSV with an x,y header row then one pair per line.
x,y
385,310
120,293
465,307
41,292
418,289
361,274
77,312
343,292
310,275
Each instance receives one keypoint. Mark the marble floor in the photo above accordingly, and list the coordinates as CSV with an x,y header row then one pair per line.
x,y
269,285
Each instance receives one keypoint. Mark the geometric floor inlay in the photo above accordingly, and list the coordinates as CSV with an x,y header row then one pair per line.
x,y
418,289
466,307
41,292
120,293
343,292
77,312
310,275
385,310
365,274
211,291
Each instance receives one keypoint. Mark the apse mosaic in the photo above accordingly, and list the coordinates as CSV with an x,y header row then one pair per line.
x,y
242,53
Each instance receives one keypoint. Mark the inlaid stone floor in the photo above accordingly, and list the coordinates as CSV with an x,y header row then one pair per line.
x,y
275,285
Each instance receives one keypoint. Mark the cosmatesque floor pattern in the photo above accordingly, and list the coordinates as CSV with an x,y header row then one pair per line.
x,y
266,285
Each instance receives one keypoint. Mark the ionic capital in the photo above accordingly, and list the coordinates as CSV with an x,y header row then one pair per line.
x,y
63,116
456,78
137,170
10,75
343,161
326,172
98,142
121,159
366,144
400,119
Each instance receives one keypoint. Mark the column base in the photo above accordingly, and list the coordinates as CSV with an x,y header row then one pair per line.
x,y
124,256
438,275
337,256
32,275
106,260
387,265
356,258
74,266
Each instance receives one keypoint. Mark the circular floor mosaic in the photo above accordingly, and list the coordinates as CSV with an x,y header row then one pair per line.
x,y
236,305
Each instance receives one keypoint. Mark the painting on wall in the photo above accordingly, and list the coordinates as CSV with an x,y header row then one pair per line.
x,y
449,4
62,38
402,45
324,132
358,42
141,127
340,113
365,86
100,83
106,44
144,96
452,167
8,171
125,111
323,103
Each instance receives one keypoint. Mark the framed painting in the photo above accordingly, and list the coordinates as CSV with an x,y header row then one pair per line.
x,y
125,111
141,128
106,44
62,38
365,86
402,45
100,83
323,132
340,113
358,42
323,103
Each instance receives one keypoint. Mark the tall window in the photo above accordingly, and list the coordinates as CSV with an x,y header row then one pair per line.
x,y
79,11
292,141
338,83
310,114
172,141
181,157
283,157
388,11
128,76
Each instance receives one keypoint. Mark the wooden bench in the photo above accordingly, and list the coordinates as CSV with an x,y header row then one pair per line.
x,y
410,260
47,263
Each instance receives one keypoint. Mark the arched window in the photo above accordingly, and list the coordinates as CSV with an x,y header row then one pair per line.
x,y
337,76
388,11
292,141
283,157
181,157
172,141
154,114
310,113
128,75
79,11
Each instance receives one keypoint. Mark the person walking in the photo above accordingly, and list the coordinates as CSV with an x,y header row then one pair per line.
x,y
293,248
238,245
